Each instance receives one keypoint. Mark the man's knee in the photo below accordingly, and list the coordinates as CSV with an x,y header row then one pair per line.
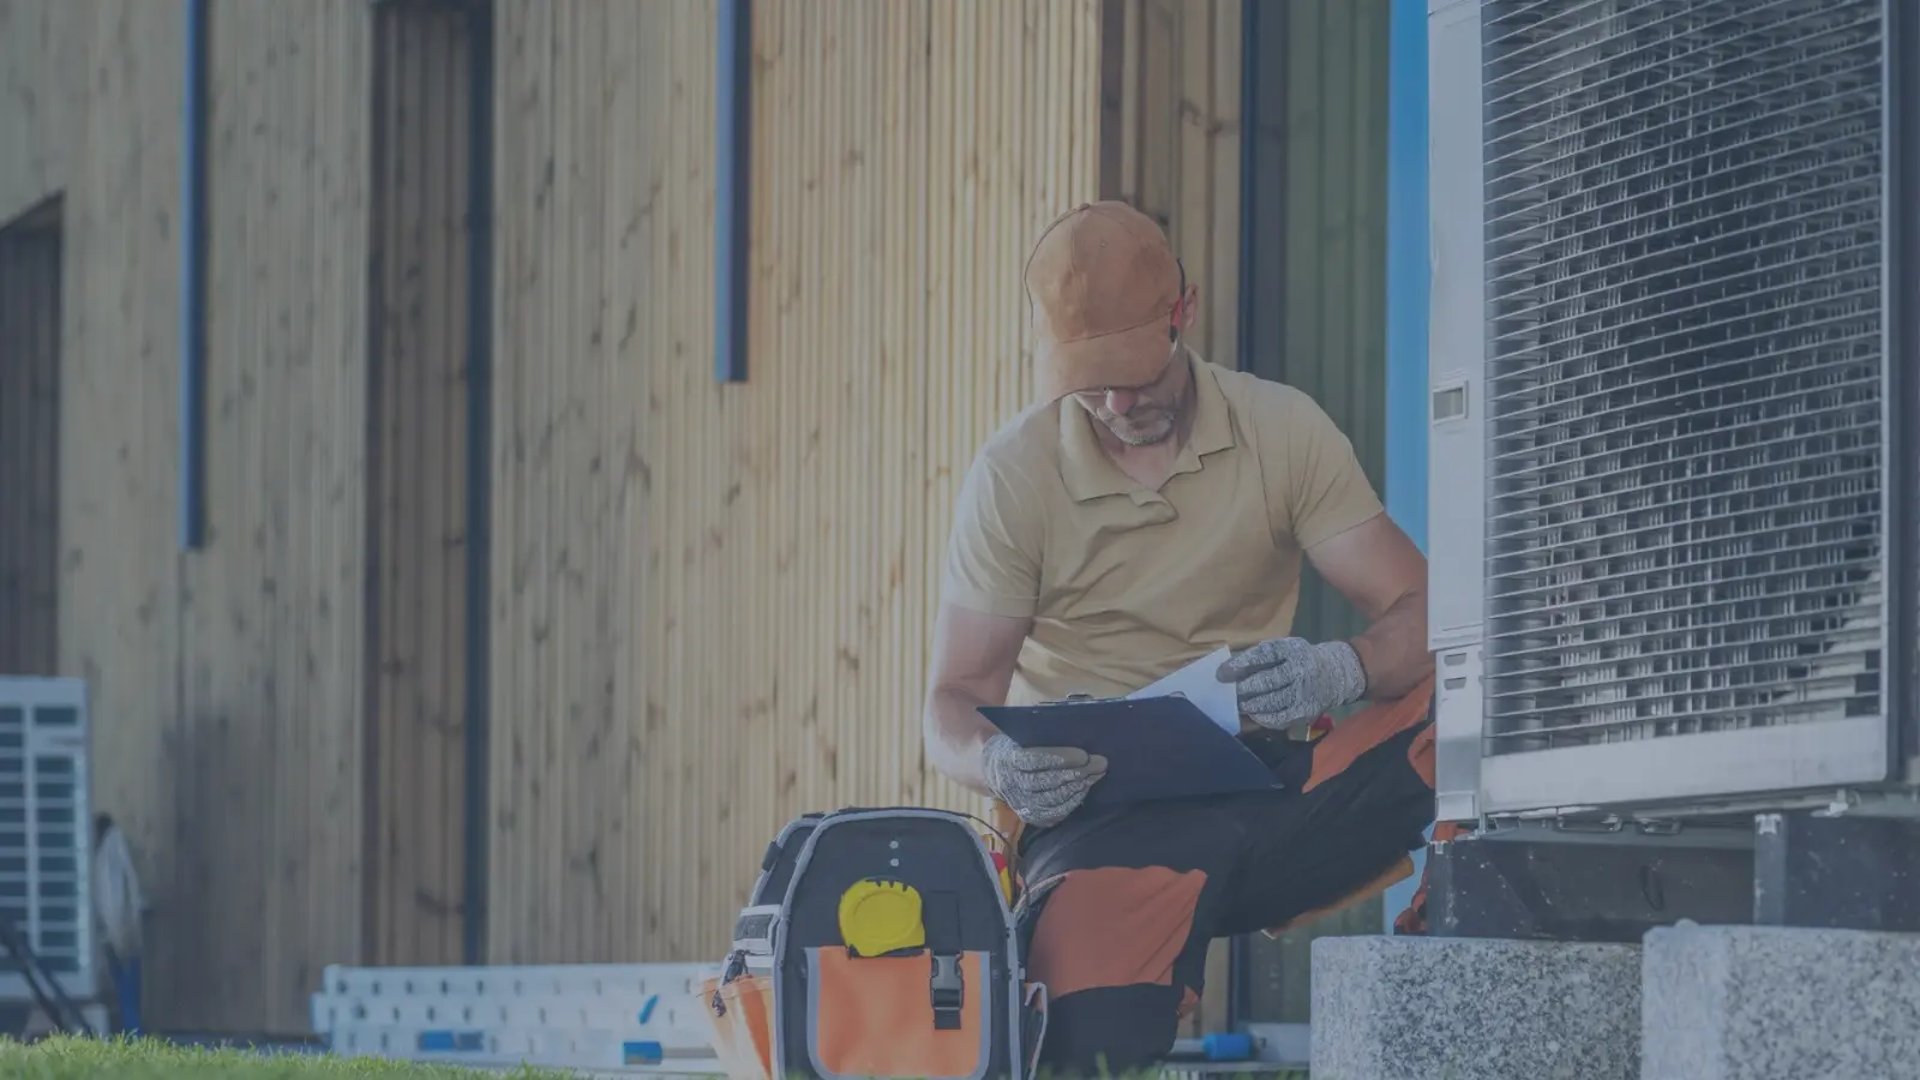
x,y
1115,926
1121,950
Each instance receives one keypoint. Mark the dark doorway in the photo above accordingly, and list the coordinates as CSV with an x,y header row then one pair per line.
x,y
428,397
30,311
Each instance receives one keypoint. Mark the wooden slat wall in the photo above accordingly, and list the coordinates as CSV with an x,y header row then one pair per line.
x,y
712,603
41,90
108,96
30,268
226,683
267,745
1170,90
417,465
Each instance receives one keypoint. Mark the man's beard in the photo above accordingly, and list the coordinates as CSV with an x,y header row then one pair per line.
x,y
1140,434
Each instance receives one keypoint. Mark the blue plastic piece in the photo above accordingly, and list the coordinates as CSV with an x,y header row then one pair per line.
x,y
450,1042
1227,1046
646,1011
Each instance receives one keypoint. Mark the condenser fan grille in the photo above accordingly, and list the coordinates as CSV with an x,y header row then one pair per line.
x,y
1684,262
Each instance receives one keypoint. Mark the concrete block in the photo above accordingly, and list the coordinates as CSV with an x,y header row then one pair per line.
x,y
1772,1003
1418,1008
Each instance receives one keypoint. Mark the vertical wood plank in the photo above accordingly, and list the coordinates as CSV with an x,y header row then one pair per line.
x,y
1222,273
1188,156
417,463
1305,213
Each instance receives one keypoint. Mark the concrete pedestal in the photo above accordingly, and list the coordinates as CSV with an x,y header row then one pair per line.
x,y
1411,1008
1760,1003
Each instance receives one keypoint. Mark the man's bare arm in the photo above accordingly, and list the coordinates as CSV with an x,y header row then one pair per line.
x,y
1380,571
973,662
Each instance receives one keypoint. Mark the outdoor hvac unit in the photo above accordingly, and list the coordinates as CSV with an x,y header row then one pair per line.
x,y
1673,398
45,846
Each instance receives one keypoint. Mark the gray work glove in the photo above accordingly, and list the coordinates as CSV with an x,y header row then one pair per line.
x,y
1291,680
1042,784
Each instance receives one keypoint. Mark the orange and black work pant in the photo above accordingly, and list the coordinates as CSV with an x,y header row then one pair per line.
x,y
1129,898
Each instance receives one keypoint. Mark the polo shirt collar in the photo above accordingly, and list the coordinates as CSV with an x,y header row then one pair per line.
x,y
1090,474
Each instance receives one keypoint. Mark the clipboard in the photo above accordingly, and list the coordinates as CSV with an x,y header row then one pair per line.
x,y
1156,748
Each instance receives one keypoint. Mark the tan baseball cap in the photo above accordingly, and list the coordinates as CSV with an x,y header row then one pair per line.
x,y
1102,283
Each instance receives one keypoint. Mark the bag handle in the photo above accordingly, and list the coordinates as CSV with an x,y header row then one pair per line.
x,y
754,930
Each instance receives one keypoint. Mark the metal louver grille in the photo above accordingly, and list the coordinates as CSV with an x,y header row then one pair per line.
x,y
1684,261
44,840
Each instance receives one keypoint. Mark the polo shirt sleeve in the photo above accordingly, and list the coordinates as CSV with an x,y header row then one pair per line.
x,y
1325,490
993,552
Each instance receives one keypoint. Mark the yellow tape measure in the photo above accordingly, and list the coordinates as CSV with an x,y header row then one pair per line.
x,y
878,915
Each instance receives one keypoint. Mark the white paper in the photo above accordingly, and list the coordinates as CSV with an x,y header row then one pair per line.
x,y
1197,683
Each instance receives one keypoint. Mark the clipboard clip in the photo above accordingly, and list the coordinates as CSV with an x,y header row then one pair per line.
x,y
1089,699
1081,699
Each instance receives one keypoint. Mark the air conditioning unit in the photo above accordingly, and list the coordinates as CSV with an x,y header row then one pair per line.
x,y
46,844
1675,394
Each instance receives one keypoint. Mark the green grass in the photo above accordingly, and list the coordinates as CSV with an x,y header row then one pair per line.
x,y
69,1058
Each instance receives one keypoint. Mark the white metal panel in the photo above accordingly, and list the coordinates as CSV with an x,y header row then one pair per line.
x,y
1685,567
1700,767
1456,327
1457,711
1457,417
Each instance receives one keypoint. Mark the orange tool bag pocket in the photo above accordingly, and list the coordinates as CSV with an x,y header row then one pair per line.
x,y
876,943
740,1007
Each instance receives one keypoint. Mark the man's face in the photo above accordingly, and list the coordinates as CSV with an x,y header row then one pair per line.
x,y
1142,415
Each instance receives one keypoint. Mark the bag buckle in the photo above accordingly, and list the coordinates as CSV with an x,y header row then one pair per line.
x,y
948,991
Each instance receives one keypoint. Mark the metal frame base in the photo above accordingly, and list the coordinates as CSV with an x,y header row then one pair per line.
x,y
1543,884
1854,865
1837,872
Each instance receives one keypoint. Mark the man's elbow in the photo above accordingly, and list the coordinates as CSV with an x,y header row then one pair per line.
x,y
933,748
936,735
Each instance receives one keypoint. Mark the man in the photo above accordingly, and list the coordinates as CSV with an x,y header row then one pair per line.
x,y
1149,510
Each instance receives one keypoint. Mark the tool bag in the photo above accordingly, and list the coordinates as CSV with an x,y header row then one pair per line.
x,y
876,942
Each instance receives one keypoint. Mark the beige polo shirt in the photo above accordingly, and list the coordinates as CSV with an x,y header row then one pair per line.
x,y
1125,584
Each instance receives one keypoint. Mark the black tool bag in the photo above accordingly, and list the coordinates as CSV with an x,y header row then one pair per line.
x,y
948,1003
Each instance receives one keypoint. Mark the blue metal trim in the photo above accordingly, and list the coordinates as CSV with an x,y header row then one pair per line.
x,y
1407,283
193,293
732,180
